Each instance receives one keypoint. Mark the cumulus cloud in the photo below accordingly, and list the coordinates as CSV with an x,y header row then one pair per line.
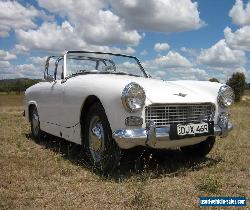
x,y
144,52
179,74
14,15
8,70
22,70
38,60
240,14
221,61
190,51
159,15
174,66
51,37
86,26
172,60
4,64
240,39
93,24
220,55
5,55
161,47
21,49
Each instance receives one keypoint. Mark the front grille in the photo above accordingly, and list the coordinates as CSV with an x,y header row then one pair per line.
x,y
166,114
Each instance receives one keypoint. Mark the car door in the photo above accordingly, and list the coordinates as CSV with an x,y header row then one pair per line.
x,y
50,105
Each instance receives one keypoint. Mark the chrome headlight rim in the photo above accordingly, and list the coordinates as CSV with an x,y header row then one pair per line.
x,y
126,95
225,96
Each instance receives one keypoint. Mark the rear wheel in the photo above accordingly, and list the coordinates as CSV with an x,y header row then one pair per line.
x,y
102,150
35,123
201,149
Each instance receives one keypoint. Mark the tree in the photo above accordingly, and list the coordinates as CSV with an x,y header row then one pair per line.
x,y
214,80
238,83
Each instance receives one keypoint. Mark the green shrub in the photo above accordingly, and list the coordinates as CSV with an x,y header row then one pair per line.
x,y
238,83
214,80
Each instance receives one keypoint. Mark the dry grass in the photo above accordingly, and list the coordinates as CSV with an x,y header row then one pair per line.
x,y
54,174
11,102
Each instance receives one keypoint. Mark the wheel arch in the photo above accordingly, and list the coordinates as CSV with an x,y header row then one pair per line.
x,y
30,105
89,101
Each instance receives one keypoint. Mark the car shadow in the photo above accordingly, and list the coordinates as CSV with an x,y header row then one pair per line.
x,y
155,163
140,161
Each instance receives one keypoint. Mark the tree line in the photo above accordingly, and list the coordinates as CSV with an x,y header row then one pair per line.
x,y
16,85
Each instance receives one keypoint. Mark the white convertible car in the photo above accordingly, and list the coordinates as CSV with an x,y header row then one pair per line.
x,y
107,102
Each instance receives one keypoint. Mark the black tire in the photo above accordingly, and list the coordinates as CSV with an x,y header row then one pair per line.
x,y
35,124
199,150
101,148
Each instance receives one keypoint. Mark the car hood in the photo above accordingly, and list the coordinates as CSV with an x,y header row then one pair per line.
x,y
159,91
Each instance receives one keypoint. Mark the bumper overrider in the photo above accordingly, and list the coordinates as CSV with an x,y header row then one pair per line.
x,y
159,137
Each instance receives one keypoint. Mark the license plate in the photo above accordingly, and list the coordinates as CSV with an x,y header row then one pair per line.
x,y
192,129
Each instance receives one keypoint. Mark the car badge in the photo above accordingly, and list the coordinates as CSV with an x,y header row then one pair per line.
x,y
180,94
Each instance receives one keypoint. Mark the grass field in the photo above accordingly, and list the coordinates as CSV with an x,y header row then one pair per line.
x,y
54,174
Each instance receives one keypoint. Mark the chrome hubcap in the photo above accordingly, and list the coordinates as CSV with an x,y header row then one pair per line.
x,y
96,138
35,123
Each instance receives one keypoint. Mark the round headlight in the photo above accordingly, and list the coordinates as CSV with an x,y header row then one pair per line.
x,y
225,96
133,97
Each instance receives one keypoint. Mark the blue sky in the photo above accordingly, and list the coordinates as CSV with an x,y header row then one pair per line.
x,y
174,39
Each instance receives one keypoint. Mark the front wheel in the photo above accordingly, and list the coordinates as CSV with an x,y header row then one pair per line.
x,y
35,124
102,150
201,149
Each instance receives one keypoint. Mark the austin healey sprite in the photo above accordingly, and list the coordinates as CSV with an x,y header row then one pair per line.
x,y
108,103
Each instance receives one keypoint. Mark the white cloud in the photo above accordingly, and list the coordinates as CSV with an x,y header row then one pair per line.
x,y
159,15
174,66
22,70
172,60
179,74
88,27
159,74
14,15
4,64
220,55
51,37
20,49
93,24
5,55
239,39
161,47
239,14
190,51
144,52
38,60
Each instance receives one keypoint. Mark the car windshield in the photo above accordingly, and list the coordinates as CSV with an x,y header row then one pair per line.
x,y
102,63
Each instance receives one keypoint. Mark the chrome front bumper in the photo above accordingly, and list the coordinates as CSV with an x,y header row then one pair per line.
x,y
159,137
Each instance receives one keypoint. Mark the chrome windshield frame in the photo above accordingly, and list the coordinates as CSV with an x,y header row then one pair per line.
x,y
104,53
